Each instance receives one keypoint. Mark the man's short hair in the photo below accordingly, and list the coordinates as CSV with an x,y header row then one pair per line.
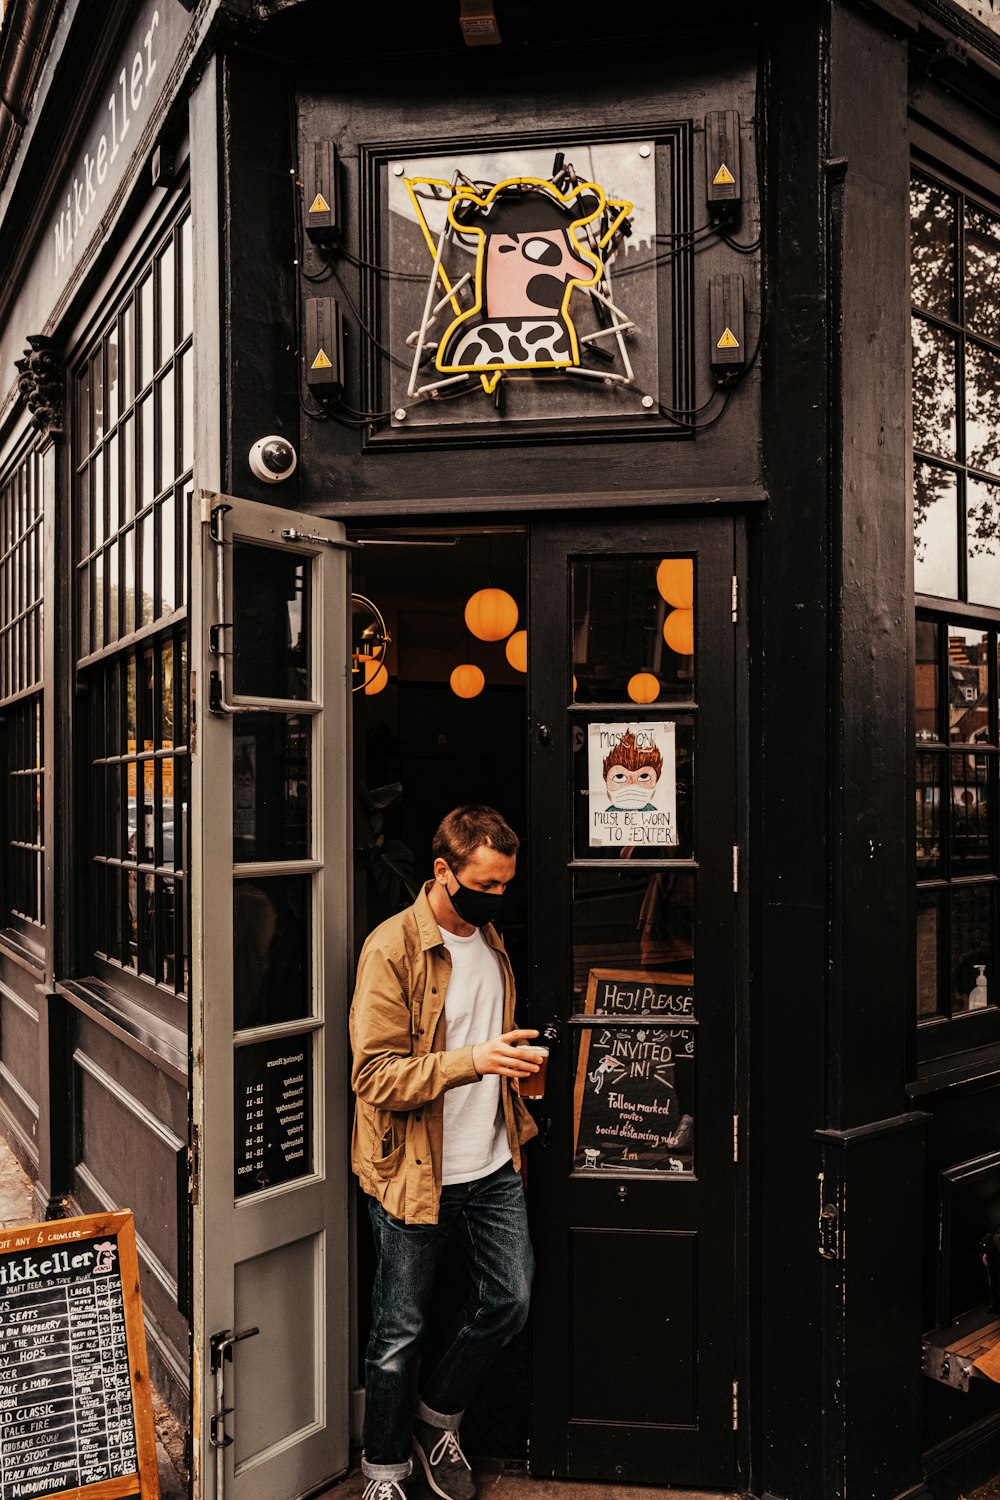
x,y
465,829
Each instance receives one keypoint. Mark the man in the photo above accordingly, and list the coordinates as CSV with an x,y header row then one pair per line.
x,y
437,1137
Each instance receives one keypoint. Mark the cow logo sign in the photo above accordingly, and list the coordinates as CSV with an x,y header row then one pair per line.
x,y
539,245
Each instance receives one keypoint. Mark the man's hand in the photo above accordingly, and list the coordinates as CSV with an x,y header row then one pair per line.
x,y
502,1055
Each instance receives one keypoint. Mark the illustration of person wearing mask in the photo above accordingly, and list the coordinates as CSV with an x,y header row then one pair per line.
x,y
631,775
528,264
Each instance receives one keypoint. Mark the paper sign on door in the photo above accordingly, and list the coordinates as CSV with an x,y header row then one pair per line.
x,y
632,777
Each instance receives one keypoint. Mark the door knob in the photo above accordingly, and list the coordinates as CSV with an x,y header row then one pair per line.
x,y
551,1034
544,734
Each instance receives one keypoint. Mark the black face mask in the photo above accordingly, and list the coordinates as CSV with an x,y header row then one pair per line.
x,y
478,908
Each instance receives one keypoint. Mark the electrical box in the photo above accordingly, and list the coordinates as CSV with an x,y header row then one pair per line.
x,y
324,347
321,192
728,351
723,190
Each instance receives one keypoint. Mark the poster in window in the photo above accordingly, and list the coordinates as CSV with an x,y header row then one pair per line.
x,y
632,785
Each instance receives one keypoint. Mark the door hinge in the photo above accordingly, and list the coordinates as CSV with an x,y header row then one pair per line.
x,y
736,1137
736,868
736,598
193,1165
736,1405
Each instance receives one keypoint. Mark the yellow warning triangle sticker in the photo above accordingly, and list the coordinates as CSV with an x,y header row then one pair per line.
x,y
723,177
321,362
319,204
728,340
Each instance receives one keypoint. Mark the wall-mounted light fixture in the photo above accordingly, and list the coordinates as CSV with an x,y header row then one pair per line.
x,y
369,641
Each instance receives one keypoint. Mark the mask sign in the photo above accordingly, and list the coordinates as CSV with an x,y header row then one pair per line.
x,y
632,778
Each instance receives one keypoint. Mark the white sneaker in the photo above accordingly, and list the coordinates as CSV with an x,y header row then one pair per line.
x,y
384,1489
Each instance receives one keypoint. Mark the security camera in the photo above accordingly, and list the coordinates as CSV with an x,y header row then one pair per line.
x,y
273,459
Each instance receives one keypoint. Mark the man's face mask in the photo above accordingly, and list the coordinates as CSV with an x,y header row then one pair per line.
x,y
478,908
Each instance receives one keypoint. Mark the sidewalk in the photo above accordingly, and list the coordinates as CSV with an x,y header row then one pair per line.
x,y
15,1209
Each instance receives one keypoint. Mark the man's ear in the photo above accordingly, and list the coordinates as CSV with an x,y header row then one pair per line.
x,y
441,870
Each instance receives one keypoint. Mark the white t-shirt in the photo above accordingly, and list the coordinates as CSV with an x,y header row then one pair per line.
x,y
475,1137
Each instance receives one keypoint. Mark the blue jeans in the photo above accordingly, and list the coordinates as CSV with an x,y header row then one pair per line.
x,y
490,1218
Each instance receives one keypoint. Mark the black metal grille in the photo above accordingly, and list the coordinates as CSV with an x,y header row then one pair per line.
x,y
21,579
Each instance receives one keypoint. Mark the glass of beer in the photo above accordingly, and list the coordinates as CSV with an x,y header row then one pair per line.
x,y
533,1087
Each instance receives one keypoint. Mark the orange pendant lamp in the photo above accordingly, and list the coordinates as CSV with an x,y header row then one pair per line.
x,y
675,581
643,688
467,681
491,614
376,676
516,650
678,631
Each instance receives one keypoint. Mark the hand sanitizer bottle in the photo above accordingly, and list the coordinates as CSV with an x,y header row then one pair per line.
x,y
979,996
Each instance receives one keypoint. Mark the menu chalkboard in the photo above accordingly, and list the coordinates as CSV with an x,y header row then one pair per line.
x,y
75,1409
639,992
273,1097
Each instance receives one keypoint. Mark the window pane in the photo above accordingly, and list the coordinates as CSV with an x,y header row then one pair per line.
x,y
968,685
971,945
272,950
929,928
633,789
632,924
982,408
929,769
971,783
982,272
271,629
165,392
927,694
633,629
167,339
147,330
934,429
935,523
982,525
634,1099
271,781
187,280
932,252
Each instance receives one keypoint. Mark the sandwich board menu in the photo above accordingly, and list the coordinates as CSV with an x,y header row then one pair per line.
x,y
76,1417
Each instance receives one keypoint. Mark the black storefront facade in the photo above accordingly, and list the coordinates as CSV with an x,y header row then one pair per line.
x,y
681,331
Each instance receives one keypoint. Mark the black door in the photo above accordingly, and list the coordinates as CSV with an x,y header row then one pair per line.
x,y
633,643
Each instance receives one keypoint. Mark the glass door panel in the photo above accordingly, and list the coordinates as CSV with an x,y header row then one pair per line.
x,y
270,1000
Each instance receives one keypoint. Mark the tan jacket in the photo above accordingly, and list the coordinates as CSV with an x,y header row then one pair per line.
x,y
402,1068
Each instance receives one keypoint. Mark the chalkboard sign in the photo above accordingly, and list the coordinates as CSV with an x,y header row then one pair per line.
x,y
639,992
273,1113
633,1103
75,1411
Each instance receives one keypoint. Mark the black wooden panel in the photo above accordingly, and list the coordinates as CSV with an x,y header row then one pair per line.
x,y
622,1280
19,1064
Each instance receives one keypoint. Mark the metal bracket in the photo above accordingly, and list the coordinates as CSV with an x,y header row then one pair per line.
x,y
215,636
215,519
828,1224
220,1350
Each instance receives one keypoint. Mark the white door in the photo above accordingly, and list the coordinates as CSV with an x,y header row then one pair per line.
x,y
270,855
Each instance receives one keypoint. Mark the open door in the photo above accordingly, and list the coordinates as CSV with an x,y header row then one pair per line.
x,y
634,642
269,848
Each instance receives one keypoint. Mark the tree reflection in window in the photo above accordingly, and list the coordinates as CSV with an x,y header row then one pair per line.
x,y
955,255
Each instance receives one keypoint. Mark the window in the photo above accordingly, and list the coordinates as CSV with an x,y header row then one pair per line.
x,y
133,460
957,809
21,698
955,248
956,377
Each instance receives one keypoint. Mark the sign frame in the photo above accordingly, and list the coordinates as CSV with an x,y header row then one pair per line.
x,y
61,1234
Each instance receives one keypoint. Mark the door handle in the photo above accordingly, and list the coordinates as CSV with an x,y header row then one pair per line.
x,y
544,734
552,1034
